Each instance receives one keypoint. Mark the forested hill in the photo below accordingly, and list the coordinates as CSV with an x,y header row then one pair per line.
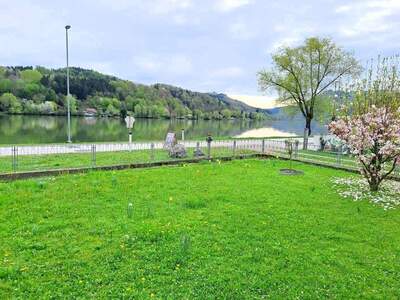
x,y
42,91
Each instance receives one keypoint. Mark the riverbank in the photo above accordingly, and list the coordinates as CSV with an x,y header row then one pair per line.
x,y
121,117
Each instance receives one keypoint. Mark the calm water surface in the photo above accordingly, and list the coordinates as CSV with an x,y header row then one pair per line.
x,y
51,129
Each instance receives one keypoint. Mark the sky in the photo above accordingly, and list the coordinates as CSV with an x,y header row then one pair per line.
x,y
202,45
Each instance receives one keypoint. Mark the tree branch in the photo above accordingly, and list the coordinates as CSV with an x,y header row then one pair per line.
x,y
391,169
336,78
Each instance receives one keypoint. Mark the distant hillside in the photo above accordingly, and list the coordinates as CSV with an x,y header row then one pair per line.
x,y
273,111
40,90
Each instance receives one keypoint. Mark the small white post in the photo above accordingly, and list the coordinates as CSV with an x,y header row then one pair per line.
x,y
183,134
130,140
129,124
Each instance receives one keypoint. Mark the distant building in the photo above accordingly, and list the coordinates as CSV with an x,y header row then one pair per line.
x,y
90,112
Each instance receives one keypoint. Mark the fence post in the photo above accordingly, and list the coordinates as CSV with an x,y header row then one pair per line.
x,y
197,152
209,140
152,152
339,156
234,148
14,158
263,147
296,149
93,156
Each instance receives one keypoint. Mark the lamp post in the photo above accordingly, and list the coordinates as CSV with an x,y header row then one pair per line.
x,y
68,95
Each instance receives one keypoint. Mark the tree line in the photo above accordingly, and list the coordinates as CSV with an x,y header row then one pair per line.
x,y
38,90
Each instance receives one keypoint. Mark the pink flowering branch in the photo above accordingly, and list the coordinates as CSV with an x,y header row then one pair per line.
x,y
374,137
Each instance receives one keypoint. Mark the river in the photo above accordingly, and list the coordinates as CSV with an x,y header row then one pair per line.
x,y
53,129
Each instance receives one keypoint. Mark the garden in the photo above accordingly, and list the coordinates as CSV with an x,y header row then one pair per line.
x,y
252,219
235,229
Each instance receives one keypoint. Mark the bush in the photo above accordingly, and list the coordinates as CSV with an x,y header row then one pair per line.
x,y
9,103
31,76
6,85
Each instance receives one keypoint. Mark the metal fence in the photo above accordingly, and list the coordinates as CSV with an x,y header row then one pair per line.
x,y
65,156
48,157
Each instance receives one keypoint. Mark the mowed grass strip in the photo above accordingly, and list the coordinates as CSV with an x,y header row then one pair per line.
x,y
85,160
235,230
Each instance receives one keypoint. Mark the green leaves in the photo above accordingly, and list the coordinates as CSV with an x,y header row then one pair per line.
x,y
10,103
31,76
302,74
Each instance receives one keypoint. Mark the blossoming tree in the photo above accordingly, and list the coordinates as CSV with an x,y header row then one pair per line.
x,y
370,121
374,137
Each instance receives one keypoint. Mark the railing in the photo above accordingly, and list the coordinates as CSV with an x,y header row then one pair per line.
x,y
49,157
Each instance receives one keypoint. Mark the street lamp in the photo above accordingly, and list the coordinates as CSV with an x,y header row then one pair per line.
x,y
68,95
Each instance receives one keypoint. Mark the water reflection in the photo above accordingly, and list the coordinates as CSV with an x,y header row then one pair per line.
x,y
50,129
265,132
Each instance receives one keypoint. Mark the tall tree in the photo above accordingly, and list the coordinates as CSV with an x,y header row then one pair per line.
x,y
301,74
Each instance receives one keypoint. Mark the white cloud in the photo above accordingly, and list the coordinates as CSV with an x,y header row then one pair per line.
x,y
153,64
28,40
228,72
158,7
179,64
99,66
229,5
117,5
387,4
208,45
289,32
147,63
288,41
343,8
168,6
368,17
242,31
180,19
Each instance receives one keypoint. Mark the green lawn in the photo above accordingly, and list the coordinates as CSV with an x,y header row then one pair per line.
x,y
331,158
328,158
234,230
59,161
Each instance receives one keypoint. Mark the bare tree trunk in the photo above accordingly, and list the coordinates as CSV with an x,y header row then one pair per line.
x,y
308,125
305,139
374,184
307,132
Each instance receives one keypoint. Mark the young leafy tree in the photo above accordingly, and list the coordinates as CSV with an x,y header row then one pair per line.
x,y
301,74
31,76
10,104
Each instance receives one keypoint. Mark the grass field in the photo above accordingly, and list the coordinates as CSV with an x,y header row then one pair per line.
x,y
80,160
235,230
327,157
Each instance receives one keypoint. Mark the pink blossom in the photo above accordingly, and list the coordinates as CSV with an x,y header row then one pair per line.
x,y
374,138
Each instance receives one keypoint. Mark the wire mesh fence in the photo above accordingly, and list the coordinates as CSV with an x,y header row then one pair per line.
x,y
66,156
48,157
